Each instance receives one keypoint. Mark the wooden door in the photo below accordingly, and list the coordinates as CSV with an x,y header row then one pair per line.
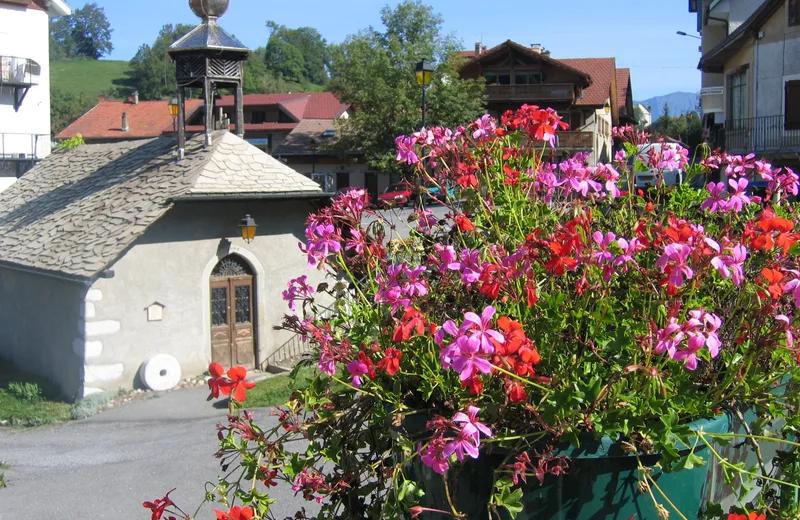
x,y
232,315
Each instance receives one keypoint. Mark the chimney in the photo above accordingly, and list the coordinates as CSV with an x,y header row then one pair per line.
x,y
483,48
135,97
125,126
478,49
537,47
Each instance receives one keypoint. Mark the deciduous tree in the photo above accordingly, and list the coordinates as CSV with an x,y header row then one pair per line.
x,y
84,33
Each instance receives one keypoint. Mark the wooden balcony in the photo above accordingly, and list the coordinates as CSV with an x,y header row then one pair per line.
x,y
531,93
577,141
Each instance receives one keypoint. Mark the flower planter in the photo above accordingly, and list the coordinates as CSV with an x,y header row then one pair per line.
x,y
602,483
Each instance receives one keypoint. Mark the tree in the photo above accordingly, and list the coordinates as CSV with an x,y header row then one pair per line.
x,y
258,80
66,107
86,32
299,55
374,72
152,70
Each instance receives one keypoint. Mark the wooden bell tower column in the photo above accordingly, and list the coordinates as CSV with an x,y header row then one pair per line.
x,y
208,58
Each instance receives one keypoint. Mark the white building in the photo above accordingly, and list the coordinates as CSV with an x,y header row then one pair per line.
x,y
25,84
645,117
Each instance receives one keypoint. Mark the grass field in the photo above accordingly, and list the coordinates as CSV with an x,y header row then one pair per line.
x,y
276,390
90,77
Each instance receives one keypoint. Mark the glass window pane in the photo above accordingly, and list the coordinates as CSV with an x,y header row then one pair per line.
x,y
521,78
504,79
242,293
219,306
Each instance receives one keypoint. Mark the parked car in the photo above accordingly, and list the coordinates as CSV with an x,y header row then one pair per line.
x,y
647,179
433,195
396,195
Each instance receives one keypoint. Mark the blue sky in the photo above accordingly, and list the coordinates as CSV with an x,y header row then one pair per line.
x,y
640,34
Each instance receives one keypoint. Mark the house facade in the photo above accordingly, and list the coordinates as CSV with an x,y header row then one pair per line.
x,y
591,94
116,253
751,77
25,84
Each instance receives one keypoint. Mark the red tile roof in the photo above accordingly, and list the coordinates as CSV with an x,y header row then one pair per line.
x,y
250,127
302,105
623,78
146,119
602,70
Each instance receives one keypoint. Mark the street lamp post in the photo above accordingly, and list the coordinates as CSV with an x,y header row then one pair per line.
x,y
682,33
424,74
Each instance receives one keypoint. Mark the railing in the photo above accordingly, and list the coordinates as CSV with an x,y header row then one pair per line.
x,y
24,147
761,134
575,140
288,354
531,93
19,72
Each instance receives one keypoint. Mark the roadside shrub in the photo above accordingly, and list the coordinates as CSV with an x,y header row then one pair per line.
x,y
25,391
3,481
87,407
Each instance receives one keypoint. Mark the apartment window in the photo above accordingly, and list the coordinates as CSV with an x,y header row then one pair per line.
x,y
737,95
258,116
528,78
792,105
794,13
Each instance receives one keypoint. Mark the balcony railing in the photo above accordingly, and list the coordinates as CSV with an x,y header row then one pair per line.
x,y
23,147
531,93
575,140
761,134
19,72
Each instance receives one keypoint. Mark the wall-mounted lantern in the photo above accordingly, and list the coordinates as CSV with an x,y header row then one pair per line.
x,y
248,227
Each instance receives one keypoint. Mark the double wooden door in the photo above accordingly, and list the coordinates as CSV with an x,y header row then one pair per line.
x,y
232,317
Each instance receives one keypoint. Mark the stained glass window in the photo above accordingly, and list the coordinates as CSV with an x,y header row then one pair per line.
x,y
231,265
243,304
219,306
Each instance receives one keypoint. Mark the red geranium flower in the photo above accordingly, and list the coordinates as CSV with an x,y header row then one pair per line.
x,y
159,506
516,394
463,223
238,385
236,513
413,321
391,361
751,516
559,263
474,385
218,383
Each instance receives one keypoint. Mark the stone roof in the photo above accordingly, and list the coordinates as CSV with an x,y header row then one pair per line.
x,y
76,212
208,36
298,142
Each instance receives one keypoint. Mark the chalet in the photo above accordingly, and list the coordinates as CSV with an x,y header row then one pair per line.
x,y
591,94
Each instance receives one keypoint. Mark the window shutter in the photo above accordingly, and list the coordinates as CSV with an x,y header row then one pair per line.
x,y
792,100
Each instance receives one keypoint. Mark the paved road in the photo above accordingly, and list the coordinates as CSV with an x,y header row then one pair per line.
x,y
106,466
399,219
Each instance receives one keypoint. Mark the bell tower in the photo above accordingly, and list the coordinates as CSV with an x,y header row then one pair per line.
x,y
208,58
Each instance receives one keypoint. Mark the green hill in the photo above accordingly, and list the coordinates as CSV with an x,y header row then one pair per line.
x,y
90,77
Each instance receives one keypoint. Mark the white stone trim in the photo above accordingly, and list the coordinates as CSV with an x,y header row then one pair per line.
x,y
87,349
260,290
88,390
100,328
92,373
88,310
93,295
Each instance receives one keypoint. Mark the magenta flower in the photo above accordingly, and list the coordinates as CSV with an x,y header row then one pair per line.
x,y
434,457
738,165
786,324
357,368
461,445
447,256
481,328
731,266
470,424
676,256
405,150
321,242
628,250
793,286
701,330
738,198
298,289
607,173
603,255
668,338
327,365
785,180
717,199
621,158
426,221
486,127
357,241
468,265
466,358
546,182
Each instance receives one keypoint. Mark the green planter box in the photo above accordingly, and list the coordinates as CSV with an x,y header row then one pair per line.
x,y
600,485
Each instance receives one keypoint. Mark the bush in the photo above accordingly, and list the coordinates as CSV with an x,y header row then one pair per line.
x,y
25,391
87,407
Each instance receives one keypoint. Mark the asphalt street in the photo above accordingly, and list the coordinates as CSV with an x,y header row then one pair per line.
x,y
107,465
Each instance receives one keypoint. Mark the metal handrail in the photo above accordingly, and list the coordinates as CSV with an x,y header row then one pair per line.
x,y
761,134
294,348
17,71
13,146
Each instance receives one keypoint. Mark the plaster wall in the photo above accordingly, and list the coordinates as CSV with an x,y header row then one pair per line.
x,y
171,264
40,321
24,33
